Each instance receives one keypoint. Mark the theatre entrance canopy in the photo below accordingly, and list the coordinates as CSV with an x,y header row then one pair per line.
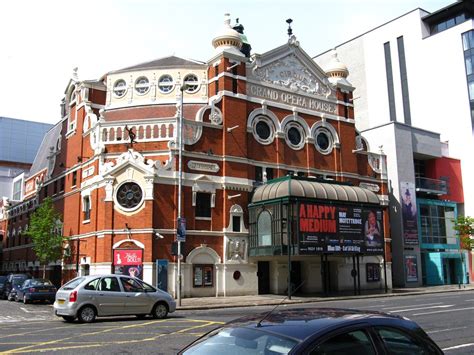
x,y
319,217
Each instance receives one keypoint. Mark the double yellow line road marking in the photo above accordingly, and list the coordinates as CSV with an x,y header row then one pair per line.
x,y
54,345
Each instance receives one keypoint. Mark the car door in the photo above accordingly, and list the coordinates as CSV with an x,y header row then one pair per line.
x,y
110,298
350,340
136,300
22,289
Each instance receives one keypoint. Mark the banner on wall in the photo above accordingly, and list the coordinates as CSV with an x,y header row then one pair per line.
x,y
409,215
411,268
340,229
129,262
162,274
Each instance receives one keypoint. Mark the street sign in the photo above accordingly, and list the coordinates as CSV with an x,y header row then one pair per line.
x,y
181,232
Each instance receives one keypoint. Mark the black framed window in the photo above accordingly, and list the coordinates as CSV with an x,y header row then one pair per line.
x,y
203,204
74,178
203,275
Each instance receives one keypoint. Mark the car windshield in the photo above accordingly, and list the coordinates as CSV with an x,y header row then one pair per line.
x,y
2,280
40,282
71,285
17,281
232,341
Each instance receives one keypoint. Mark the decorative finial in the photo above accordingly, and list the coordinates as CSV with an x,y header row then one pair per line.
x,y
75,76
227,20
290,31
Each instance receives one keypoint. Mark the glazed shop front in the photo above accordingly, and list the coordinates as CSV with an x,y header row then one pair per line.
x,y
327,237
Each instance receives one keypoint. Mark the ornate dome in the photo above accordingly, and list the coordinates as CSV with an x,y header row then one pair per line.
x,y
227,36
335,68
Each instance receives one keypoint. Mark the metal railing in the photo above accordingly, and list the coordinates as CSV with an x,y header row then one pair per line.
x,y
431,185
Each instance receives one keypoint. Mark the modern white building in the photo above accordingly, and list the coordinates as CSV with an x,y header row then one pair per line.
x,y
414,76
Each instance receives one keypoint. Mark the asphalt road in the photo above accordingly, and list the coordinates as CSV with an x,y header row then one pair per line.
x,y
447,318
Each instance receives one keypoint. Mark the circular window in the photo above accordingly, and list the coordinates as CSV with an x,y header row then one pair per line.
x,y
120,88
165,84
129,195
323,141
191,82
142,85
263,129
294,135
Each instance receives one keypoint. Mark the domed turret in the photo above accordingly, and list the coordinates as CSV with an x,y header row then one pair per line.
x,y
335,68
227,39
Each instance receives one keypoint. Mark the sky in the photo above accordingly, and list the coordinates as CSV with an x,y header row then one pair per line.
x,y
42,41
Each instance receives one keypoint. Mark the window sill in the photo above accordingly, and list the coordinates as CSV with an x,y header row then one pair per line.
x,y
86,221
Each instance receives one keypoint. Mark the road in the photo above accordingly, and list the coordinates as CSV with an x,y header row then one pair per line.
x,y
446,317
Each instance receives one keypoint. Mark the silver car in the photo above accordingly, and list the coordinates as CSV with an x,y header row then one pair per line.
x,y
88,297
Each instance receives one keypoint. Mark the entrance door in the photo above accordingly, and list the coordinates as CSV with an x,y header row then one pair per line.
x,y
263,275
295,275
452,271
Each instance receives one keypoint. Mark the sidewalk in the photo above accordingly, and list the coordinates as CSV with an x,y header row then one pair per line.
x,y
267,300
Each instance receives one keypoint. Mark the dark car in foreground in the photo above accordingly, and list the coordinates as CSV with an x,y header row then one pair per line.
x,y
88,297
316,331
36,290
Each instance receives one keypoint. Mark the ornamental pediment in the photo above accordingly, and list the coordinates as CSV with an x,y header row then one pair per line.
x,y
289,68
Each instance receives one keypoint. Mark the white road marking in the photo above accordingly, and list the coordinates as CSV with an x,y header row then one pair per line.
x,y
444,311
458,346
10,319
418,305
469,300
418,308
444,330
28,311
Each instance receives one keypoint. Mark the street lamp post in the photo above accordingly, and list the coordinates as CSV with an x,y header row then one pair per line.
x,y
184,86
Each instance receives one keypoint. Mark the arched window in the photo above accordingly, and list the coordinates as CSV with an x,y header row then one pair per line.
x,y
264,229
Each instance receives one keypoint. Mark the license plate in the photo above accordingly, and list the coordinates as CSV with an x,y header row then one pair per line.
x,y
61,301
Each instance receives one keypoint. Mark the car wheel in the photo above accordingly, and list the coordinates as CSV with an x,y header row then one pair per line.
x,y
17,299
25,301
160,311
10,298
68,319
86,314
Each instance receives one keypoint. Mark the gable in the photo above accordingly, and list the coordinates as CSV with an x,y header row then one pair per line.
x,y
288,75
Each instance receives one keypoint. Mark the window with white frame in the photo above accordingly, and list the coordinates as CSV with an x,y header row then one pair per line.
x,y
323,140
294,135
165,84
192,83
236,222
86,207
142,85
263,129
264,229
17,190
120,88
203,204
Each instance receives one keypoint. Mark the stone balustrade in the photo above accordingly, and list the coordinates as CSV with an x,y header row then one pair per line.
x,y
145,131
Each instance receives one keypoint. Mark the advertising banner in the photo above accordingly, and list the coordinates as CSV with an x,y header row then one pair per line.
x,y
162,274
339,229
411,268
129,262
409,215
